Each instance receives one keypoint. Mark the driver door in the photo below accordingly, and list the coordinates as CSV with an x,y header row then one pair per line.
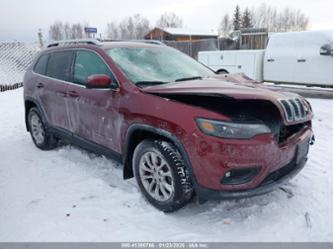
x,y
92,113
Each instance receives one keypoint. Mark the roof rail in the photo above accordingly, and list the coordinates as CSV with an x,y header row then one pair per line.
x,y
156,42
73,42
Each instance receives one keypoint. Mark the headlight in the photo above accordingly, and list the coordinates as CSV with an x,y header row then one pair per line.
x,y
231,130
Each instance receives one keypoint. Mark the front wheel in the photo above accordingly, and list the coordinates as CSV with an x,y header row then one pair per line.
x,y
162,175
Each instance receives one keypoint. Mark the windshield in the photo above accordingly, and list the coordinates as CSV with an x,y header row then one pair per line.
x,y
157,65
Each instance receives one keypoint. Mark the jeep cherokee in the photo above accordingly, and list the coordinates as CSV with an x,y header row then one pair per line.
x,y
175,125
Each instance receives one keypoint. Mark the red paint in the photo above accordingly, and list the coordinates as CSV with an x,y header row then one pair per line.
x,y
98,81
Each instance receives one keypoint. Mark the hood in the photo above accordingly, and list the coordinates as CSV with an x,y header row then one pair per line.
x,y
238,87
221,87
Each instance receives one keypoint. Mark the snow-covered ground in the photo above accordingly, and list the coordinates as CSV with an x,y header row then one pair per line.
x,y
71,195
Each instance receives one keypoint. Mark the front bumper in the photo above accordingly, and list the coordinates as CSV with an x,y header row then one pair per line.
x,y
212,158
268,185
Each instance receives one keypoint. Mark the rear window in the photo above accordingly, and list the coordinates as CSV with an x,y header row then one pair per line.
x,y
40,66
59,65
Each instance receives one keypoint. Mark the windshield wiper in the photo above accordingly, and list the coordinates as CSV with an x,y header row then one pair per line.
x,y
149,83
189,78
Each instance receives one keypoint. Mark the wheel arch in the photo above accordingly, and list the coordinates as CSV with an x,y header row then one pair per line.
x,y
222,70
137,133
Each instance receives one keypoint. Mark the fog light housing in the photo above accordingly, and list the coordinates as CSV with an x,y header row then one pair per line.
x,y
239,176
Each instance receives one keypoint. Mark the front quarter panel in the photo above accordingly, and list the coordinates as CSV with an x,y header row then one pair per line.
x,y
162,113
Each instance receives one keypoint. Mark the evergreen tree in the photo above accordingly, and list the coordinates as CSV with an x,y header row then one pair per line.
x,y
237,18
246,19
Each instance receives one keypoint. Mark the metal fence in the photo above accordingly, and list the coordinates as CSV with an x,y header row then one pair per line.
x,y
192,48
241,39
15,58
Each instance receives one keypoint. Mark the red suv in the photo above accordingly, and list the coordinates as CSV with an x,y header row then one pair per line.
x,y
174,124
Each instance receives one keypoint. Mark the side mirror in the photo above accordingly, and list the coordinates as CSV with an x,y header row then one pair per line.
x,y
98,81
326,49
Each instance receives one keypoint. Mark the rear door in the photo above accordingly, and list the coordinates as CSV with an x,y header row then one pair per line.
x,y
93,113
52,86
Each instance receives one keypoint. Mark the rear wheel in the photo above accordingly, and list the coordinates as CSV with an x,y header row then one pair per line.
x,y
162,175
40,136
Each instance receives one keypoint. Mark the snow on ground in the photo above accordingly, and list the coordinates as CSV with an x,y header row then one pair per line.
x,y
71,195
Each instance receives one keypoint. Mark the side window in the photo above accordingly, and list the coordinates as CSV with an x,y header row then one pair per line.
x,y
40,66
89,63
59,65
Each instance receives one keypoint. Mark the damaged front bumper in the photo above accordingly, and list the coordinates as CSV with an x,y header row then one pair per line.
x,y
241,168
273,181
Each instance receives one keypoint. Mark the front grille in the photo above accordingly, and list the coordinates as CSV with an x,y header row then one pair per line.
x,y
288,131
294,109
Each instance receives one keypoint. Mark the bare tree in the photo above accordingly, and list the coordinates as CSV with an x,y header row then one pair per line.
x,y
67,31
60,31
130,28
225,25
123,31
133,27
77,31
275,21
169,20
112,31
56,31
142,26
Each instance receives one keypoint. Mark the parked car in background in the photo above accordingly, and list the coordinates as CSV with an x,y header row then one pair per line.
x,y
175,125
295,58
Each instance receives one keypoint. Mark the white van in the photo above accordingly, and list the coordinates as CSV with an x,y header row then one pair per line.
x,y
249,62
295,57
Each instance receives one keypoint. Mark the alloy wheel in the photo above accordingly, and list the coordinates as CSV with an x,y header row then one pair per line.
x,y
37,129
156,176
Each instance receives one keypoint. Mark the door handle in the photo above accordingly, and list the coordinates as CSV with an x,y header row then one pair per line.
x,y
63,94
301,60
270,60
73,94
40,85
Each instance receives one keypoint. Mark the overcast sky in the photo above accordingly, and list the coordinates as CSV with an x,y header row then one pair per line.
x,y
20,20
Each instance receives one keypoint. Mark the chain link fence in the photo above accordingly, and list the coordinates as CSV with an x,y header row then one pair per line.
x,y
15,58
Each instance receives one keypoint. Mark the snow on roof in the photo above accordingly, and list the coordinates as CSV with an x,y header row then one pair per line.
x,y
185,31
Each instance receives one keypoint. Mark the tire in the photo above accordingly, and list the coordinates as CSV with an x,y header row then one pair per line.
x,y
168,173
39,134
222,71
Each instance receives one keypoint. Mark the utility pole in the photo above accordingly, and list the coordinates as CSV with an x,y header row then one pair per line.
x,y
40,38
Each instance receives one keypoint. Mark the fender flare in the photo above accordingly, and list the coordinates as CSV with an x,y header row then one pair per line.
x,y
127,159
